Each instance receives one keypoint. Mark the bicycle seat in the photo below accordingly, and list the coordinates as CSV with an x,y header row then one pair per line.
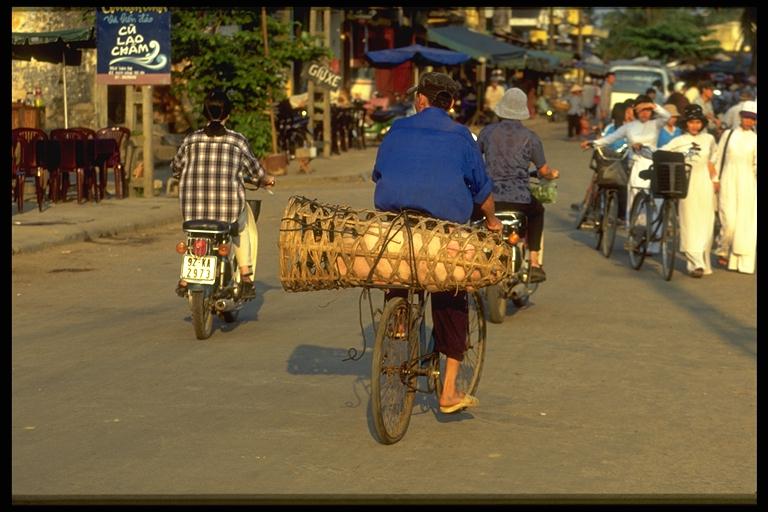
x,y
645,174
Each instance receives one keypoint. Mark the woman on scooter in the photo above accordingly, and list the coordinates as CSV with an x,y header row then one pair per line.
x,y
210,165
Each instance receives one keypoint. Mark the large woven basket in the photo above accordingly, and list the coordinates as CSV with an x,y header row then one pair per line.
x,y
324,246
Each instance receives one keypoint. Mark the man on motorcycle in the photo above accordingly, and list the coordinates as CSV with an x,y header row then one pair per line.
x,y
211,165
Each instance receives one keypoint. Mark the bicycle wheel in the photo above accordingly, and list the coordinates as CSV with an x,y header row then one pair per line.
x,y
610,220
598,217
472,365
391,370
669,238
587,207
637,237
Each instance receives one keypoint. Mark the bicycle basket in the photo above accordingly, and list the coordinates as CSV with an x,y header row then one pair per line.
x,y
670,174
611,173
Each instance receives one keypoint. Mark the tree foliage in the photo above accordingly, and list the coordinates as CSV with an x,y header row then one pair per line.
x,y
661,33
224,48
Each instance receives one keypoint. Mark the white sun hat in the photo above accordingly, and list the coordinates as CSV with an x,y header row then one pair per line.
x,y
513,105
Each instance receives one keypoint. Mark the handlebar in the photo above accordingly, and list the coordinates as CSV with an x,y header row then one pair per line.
x,y
647,152
251,184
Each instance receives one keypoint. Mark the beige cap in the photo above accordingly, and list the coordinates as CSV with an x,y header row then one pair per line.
x,y
576,88
672,110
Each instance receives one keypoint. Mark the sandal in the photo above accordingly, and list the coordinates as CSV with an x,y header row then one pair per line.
x,y
247,290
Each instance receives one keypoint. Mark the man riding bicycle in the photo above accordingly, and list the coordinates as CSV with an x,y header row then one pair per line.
x,y
429,163
211,165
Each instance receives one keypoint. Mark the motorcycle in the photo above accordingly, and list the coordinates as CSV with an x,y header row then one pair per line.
x,y
543,108
210,270
381,121
292,128
516,286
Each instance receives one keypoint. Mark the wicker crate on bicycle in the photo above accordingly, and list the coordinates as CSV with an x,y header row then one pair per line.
x,y
669,174
325,246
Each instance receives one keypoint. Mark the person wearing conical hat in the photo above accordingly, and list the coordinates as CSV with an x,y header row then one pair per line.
x,y
575,110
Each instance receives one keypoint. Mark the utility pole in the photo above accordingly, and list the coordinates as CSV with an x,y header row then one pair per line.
x,y
265,35
551,35
580,46
326,119
326,93
310,83
146,126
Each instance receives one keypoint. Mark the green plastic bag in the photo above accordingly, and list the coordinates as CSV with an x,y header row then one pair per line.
x,y
545,191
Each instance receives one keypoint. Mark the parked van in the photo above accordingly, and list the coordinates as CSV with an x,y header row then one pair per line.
x,y
634,79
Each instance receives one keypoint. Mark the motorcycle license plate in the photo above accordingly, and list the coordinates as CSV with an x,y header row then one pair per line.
x,y
199,270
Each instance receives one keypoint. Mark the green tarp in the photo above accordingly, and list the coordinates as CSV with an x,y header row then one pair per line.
x,y
54,46
495,52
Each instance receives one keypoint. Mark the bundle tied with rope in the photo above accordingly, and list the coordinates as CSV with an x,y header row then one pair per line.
x,y
324,246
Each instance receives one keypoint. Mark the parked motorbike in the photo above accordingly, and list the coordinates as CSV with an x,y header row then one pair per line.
x,y
516,286
292,128
381,121
211,271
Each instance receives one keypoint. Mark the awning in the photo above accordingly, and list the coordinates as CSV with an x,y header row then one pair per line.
x,y
475,44
738,64
55,46
541,61
417,53
495,52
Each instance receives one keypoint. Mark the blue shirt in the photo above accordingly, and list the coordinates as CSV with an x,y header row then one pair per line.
x,y
616,145
509,148
665,136
430,163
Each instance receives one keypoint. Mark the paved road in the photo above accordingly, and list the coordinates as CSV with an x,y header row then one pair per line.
x,y
614,383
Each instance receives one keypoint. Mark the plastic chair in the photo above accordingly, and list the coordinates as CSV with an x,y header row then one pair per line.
x,y
120,135
27,165
91,184
73,158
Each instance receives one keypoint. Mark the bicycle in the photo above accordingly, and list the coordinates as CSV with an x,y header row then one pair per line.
x,y
669,175
403,352
601,206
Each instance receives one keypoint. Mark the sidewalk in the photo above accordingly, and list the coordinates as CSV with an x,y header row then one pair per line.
x,y
67,222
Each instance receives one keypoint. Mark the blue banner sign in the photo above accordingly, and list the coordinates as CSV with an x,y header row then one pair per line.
x,y
133,45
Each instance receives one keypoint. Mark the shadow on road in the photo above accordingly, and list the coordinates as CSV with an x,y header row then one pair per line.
x,y
730,330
